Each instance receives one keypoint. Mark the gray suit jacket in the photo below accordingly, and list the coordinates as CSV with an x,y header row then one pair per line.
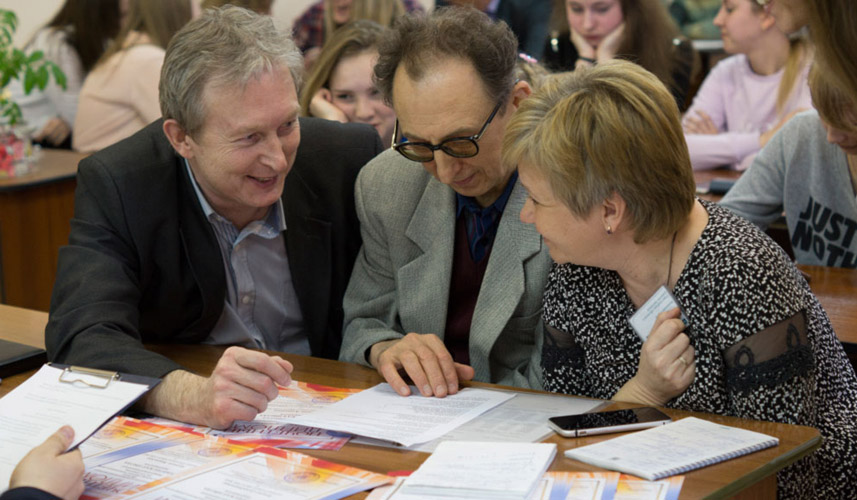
x,y
400,283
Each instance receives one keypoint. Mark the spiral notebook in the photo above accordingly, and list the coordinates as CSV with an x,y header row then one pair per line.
x,y
674,448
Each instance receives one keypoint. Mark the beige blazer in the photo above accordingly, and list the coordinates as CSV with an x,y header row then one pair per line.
x,y
400,283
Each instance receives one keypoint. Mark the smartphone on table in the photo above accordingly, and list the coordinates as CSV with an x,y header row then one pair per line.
x,y
588,424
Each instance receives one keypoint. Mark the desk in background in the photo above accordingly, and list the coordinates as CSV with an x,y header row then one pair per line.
x,y
750,476
35,211
704,177
836,289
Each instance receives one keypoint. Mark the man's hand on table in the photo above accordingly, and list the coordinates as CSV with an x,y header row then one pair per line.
x,y
239,388
424,358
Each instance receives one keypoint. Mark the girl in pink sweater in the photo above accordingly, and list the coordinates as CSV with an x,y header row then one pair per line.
x,y
746,98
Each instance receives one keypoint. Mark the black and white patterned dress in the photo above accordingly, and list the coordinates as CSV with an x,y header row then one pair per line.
x,y
765,348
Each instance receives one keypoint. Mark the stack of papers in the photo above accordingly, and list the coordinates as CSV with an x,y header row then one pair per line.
x,y
459,469
133,458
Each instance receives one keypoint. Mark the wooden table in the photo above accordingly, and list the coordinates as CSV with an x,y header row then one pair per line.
x,y
35,211
751,476
704,177
836,289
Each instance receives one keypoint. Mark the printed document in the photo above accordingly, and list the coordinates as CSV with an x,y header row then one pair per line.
x,y
480,470
522,419
381,413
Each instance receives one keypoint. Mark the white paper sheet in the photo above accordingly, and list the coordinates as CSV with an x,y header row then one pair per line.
x,y
37,408
522,419
480,470
542,492
380,413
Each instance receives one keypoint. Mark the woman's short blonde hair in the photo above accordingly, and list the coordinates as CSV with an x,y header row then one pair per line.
x,y
831,102
610,128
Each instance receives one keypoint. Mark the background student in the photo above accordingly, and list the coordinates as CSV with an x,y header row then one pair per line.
x,y
74,40
120,95
340,86
753,341
638,30
312,29
746,98
808,170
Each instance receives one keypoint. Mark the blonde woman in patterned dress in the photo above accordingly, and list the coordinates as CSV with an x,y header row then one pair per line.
x,y
603,158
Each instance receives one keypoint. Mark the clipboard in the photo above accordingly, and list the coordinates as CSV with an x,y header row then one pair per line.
x,y
101,379
58,395
97,378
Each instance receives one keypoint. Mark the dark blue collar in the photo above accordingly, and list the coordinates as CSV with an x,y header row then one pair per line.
x,y
469,202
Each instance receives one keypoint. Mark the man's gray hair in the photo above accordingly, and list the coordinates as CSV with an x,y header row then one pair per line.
x,y
223,47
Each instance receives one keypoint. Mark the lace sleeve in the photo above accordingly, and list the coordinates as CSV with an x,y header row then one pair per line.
x,y
770,374
563,362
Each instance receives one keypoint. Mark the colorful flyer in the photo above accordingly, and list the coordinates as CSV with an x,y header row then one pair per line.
x,y
134,466
262,474
121,433
300,398
634,488
583,485
268,428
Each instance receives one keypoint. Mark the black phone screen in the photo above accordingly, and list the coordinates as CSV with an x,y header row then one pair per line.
x,y
609,418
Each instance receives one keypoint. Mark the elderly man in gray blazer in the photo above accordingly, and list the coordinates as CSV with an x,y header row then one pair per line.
x,y
448,285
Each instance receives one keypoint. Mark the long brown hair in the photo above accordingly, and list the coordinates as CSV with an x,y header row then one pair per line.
x,y
649,38
159,19
89,26
831,26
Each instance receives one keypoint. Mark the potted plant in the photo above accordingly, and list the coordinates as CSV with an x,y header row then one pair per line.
x,y
33,71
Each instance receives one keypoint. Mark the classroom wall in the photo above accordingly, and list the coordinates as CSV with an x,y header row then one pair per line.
x,y
33,14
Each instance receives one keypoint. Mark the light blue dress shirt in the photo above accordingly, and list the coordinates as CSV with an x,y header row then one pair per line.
x,y
261,309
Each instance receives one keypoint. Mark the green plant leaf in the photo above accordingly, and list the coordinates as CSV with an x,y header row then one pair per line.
x,y
10,19
29,80
35,56
19,58
42,76
6,36
59,76
12,113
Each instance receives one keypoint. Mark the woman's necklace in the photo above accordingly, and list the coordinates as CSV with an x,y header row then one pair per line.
x,y
670,265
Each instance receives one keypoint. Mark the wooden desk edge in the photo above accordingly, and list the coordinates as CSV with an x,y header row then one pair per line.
x,y
769,469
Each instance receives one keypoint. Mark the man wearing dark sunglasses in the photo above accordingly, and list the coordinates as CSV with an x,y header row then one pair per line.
x,y
448,285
